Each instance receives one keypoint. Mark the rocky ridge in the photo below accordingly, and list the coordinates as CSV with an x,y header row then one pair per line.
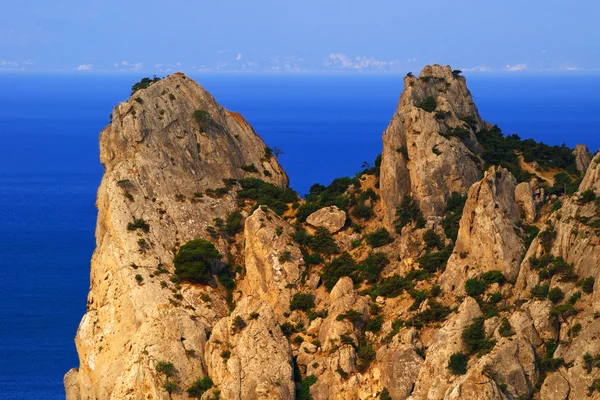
x,y
440,273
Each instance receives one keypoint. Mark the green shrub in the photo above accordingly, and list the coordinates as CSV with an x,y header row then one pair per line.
x,y
452,214
432,239
302,301
138,223
408,211
166,368
457,131
556,295
304,392
501,150
540,291
193,261
250,168
351,315
436,312
574,297
371,267
474,339
586,197
287,328
238,324
587,284
366,354
203,119
363,211
170,386
368,194
267,194
530,232
233,223
493,276
379,238
547,237
285,256
374,324
225,355
392,286
199,387
144,83
563,310
322,242
305,210
344,265
432,262
139,278
385,394
457,365
428,104
505,329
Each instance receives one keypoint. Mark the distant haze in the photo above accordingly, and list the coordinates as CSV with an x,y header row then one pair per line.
x,y
298,36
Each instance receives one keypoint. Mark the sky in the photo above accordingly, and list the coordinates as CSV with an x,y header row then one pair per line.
x,y
88,36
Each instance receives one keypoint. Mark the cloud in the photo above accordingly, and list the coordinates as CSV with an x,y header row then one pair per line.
x,y
13,65
128,66
168,67
479,68
286,63
238,57
85,67
343,61
339,60
8,64
517,67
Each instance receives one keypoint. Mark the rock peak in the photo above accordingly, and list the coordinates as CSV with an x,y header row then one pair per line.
x,y
430,148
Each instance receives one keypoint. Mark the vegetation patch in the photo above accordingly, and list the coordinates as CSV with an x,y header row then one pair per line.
x,y
379,238
344,265
144,83
267,194
194,259
302,301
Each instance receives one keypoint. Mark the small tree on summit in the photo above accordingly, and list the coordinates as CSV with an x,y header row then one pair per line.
x,y
144,83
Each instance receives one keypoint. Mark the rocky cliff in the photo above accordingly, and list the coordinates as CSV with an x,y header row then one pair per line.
x,y
463,266
429,148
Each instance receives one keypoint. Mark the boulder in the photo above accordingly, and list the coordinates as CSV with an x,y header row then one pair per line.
x,y
331,218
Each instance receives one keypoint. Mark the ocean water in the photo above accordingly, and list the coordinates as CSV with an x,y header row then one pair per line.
x,y
327,127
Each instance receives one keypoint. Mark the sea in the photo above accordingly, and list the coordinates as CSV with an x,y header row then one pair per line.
x,y
326,125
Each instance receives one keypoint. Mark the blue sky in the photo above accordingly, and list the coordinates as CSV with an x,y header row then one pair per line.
x,y
289,35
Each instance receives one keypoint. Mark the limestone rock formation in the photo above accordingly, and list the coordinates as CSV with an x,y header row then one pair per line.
x,y
247,355
164,151
434,378
525,198
583,157
488,238
262,325
398,367
273,265
331,218
429,148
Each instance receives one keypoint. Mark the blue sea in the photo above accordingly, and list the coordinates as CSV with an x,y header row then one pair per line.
x,y
327,126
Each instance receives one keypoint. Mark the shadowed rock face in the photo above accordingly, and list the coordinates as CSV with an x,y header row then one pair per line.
x,y
423,153
488,238
583,157
161,159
